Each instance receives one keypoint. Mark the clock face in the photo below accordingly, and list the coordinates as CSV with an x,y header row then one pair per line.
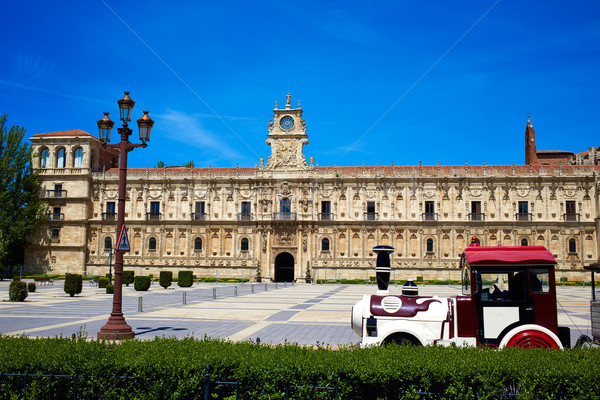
x,y
286,123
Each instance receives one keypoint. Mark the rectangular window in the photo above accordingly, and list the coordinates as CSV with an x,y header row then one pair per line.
x,y
523,214
199,207
429,211
55,233
371,215
540,280
571,211
110,207
155,208
325,207
246,207
476,214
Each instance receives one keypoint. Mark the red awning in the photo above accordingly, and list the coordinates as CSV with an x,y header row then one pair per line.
x,y
501,255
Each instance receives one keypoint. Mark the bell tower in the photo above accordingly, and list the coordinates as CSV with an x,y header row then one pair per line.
x,y
287,137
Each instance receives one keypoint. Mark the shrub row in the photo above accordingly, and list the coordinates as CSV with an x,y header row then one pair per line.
x,y
376,373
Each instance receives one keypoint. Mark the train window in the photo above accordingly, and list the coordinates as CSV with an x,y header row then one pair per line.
x,y
466,287
539,279
502,286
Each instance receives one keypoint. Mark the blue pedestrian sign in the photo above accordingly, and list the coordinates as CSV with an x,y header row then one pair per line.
x,y
123,242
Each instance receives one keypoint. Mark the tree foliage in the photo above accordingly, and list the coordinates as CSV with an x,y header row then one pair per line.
x,y
22,211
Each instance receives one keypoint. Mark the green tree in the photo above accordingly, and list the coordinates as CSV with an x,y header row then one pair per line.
x,y
189,164
160,164
22,211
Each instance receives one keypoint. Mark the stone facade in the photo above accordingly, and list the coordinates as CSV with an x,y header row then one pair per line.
x,y
288,213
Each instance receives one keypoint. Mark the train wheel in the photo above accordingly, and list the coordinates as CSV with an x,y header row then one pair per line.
x,y
532,339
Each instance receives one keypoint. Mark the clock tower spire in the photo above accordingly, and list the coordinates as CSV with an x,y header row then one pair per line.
x,y
287,137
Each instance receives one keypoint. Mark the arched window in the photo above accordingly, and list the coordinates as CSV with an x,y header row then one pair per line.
x,y
60,160
108,243
524,242
244,244
45,158
429,245
572,246
325,244
78,158
198,244
152,244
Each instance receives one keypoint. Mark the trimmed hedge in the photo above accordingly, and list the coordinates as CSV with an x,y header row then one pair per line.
x,y
17,291
169,368
102,282
166,277
141,283
31,287
128,277
110,289
73,284
185,278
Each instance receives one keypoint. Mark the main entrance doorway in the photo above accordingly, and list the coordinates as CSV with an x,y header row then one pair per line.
x,y
284,268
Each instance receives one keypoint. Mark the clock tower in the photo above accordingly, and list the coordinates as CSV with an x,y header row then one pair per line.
x,y
287,136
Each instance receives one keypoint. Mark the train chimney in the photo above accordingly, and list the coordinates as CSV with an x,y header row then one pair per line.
x,y
383,267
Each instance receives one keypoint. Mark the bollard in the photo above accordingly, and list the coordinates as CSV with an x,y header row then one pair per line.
x,y
140,304
214,293
184,297
284,284
251,288
235,290
265,287
276,285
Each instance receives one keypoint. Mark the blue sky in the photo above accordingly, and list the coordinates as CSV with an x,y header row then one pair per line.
x,y
387,81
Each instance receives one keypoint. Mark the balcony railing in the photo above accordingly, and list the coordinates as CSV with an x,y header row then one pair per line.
x,y
109,216
371,216
284,216
572,217
56,194
153,216
199,216
55,216
244,216
476,216
326,216
524,216
429,216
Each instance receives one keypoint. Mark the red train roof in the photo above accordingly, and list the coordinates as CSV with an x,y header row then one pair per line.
x,y
503,255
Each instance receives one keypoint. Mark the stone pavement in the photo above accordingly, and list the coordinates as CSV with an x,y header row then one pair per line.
x,y
300,313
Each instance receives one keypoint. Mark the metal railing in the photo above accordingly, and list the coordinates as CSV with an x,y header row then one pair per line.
x,y
55,216
199,216
284,216
109,216
429,216
571,217
524,216
244,216
476,216
371,216
153,216
326,216
56,194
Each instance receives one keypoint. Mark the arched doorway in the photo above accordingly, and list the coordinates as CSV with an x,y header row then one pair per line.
x,y
284,268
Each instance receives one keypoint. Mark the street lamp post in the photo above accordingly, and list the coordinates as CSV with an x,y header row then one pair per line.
x,y
116,327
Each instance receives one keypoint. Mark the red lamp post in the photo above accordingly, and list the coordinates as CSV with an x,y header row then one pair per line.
x,y
116,327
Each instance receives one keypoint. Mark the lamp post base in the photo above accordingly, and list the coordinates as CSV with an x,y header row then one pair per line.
x,y
116,329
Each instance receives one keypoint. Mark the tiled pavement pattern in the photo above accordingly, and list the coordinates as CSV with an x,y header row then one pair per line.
x,y
300,313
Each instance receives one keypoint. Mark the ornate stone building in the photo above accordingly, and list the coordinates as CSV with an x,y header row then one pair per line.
x,y
288,213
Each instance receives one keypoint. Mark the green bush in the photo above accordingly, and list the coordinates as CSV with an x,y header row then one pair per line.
x,y
110,289
166,277
73,284
102,282
16,279
175,368
17,291
185,278
128,277
141,283
31,287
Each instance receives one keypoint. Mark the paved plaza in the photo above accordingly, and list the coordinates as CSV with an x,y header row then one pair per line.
x,y
275,313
